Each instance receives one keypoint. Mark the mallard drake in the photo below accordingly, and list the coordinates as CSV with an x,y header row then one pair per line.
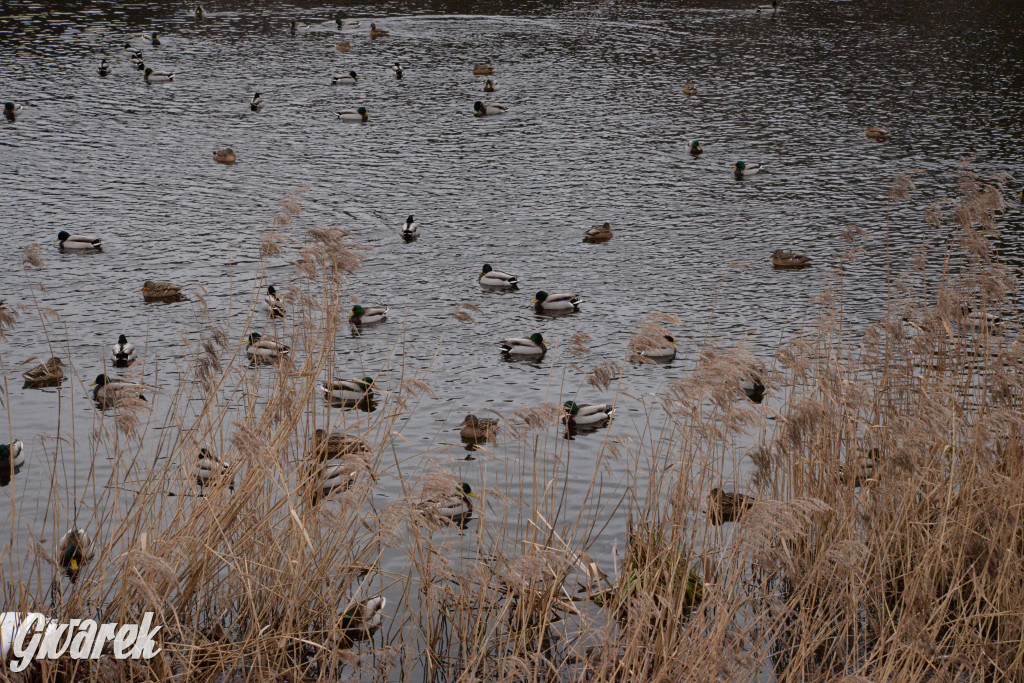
x,y
497,278
754,389
128,46
45,374
275,306
456,508
337,475
489,109
377,32
345,23
598,234
975,319
368,315
556,303
199,12
12,111
74,550
152,38
877,133
224,156
256,102
299,27
123,352
397,70
69,241
727,506
136,60
689,89
860,470
695,148
483,70
662,349
534,346
587,414
348,389
343,46
167,292
153,76
490,86
789,259
12,455
478,429
109,391
260,349
742,169
355,115
410,229
362,619
208,468
104,68
337,445
351,78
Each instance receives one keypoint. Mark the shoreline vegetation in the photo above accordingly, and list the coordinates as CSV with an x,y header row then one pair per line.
x,y
881,536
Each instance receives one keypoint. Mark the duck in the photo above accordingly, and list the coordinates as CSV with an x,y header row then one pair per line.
x,y
128,46
152,76
351,78
490,86
123,352
74,550
534,346
877,133
209,468
337,475
377,32
348,389
742,169
275,306
489,109
397,70
497,278
343,46
689,89
299,27
12,455
360,115
556,303
362,619
45,374
788,259
167,292
12,111
754,389
859,470
695,148
260,349
368,315
410,229
199,12
337,445
224,156
256,102
598,234
136,60
978,320
69,241
727,506
478,429
483,70
774,6
456,508
109,391
587,414
345,23
104,68
152,38
660,349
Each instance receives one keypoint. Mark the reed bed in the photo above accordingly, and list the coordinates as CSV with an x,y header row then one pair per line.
x,y
881,536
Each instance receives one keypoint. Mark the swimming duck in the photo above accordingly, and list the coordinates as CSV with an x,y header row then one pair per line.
x,y
695,148
689,89
260,349
128,46
348,389
489,109
368,315
742,170
337,445
859,470
299,27
12,455
152,38
598,234
199,12
556,303
256,102
774,6
209,468
478,429
587,414
73,551
664,349
397,70
275,306
104,68
754,389
534,346
354,115
483,70
362,619
123,352
69,241
167,292
345,79
377,32
727,506
877,133
789,259
45,374
456,508
136,60
490,86
345,23
343,46
152,76
497,278
110,391
224,156
12,111
410,229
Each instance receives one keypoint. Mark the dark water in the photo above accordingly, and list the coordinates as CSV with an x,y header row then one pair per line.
x,y
597,131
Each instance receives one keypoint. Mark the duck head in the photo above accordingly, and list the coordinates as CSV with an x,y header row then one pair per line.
x,y
464,490
740,166
486,269
409,220
478,106
695,147
357,311
365,383
540,297
537,338
100,381
254,337
271,291
121,339
63,234
354,75
571,408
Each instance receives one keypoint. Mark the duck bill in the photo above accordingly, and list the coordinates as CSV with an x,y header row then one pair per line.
x,y
92,384
473,495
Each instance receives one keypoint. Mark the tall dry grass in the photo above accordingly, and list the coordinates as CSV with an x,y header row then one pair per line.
x,y
883,538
